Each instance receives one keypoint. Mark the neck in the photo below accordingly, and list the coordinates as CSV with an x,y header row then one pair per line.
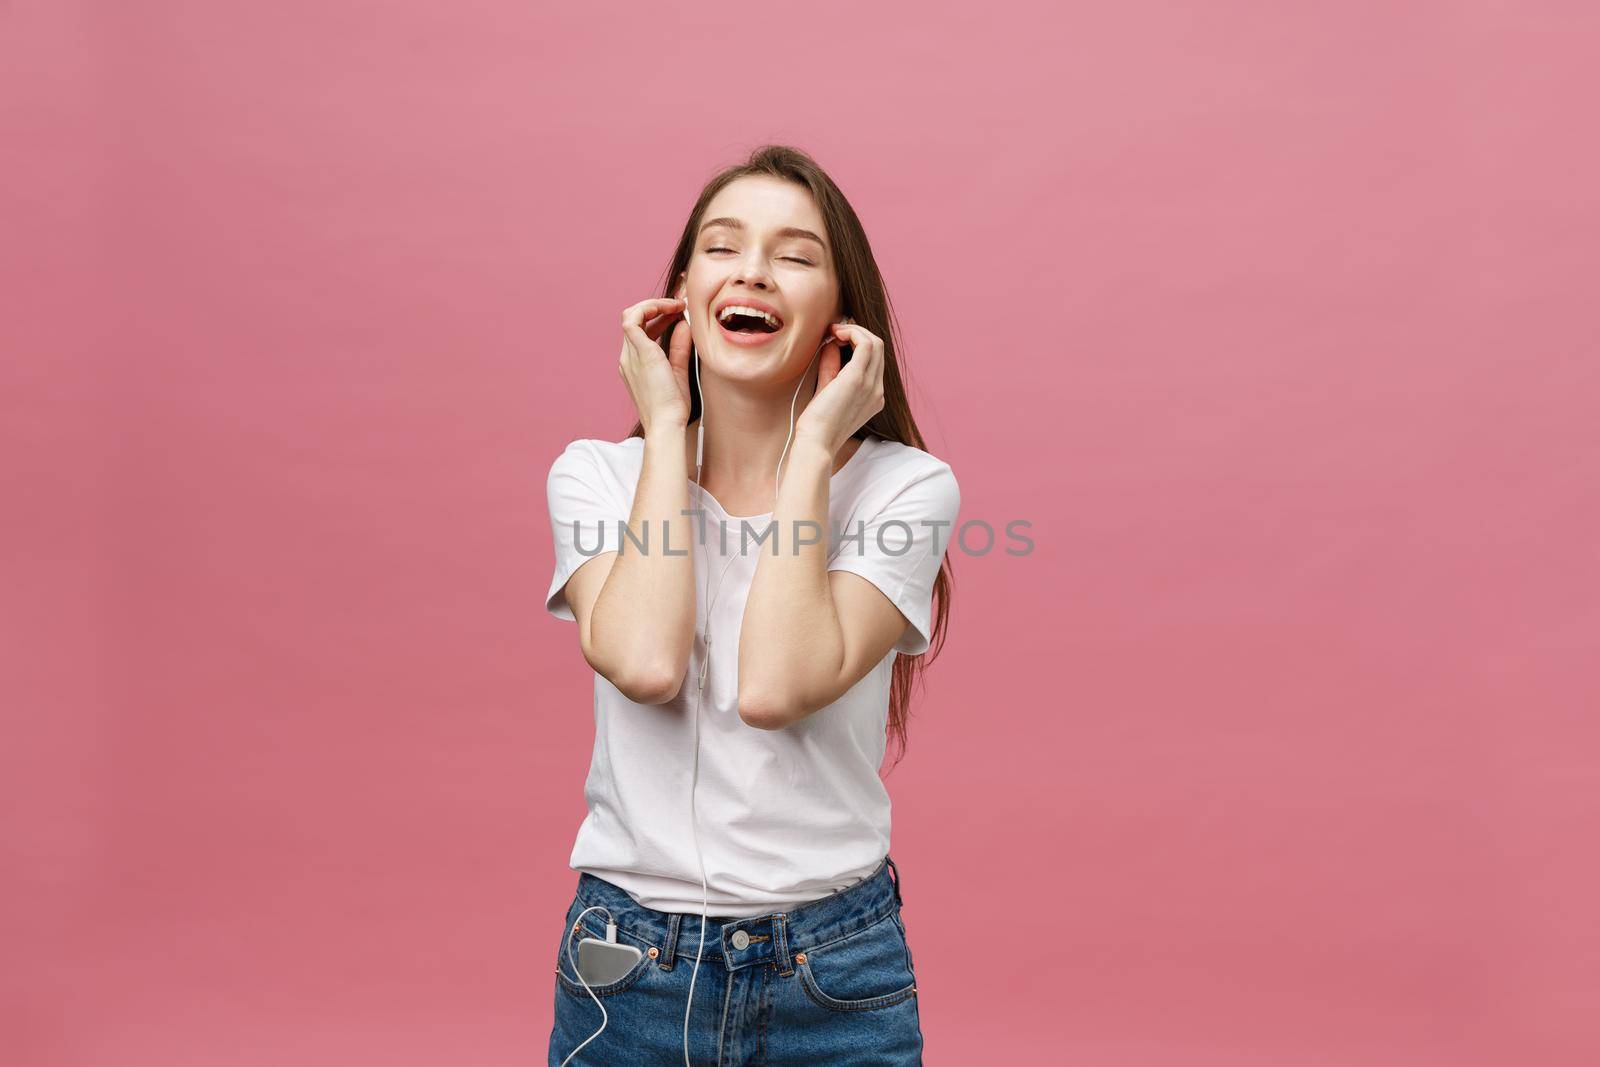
x,y
745,433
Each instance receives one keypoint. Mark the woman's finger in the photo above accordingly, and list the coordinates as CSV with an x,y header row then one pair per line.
x,y
637,313
641,343
849,331
661,324
868,349
859,338
828,366
679,345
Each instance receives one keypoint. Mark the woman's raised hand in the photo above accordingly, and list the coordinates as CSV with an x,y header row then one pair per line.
x,y
848,395
658,383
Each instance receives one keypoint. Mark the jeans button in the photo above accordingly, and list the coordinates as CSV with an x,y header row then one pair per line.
x,y
741,940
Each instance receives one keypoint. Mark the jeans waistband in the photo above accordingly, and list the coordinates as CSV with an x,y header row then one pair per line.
x,y
742,942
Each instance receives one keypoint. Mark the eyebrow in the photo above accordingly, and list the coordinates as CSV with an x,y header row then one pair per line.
x,y
787,231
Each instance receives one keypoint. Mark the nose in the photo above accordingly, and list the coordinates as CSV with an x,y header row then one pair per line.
x,y
752,272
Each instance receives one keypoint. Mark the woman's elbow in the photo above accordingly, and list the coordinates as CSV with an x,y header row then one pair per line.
x,y
642,685
657,688
768,714
650,685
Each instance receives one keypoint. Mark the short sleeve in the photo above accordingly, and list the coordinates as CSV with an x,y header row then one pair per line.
x,y
585,513
900,547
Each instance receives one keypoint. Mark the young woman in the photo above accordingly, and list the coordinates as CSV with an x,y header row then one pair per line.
x,y
754,631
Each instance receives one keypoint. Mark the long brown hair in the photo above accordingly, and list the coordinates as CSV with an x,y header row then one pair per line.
x,y
864,298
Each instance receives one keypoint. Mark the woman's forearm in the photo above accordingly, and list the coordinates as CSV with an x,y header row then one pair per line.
x,y
642,625
790,643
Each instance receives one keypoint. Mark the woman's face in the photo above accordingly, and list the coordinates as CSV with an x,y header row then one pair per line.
x,y
762,246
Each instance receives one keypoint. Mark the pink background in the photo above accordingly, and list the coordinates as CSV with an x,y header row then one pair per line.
x,y
1276,320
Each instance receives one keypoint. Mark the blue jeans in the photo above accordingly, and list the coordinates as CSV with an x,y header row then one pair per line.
x,y
827,982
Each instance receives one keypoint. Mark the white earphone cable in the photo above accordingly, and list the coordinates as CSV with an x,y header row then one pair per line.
x,y
694,832
700,437
611,929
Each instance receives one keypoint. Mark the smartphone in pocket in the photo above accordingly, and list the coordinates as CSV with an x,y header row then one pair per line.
x,y
603,962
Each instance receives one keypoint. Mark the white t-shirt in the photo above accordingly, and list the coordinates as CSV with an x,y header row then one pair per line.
x,y
784,816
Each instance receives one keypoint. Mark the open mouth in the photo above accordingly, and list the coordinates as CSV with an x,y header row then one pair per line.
x,y
748,321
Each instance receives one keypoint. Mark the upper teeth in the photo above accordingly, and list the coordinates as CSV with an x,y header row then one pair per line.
x,y
740,309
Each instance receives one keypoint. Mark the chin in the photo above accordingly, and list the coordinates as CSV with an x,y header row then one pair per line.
x,y
756,365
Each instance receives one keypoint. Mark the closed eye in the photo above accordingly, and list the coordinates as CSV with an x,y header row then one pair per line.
x,y
791,259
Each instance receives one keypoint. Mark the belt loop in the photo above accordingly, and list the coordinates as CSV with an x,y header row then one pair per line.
x,y
896,871
780,947
669,951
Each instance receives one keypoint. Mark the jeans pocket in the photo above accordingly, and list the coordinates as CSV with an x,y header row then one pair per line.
x,y
863,971
593,925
